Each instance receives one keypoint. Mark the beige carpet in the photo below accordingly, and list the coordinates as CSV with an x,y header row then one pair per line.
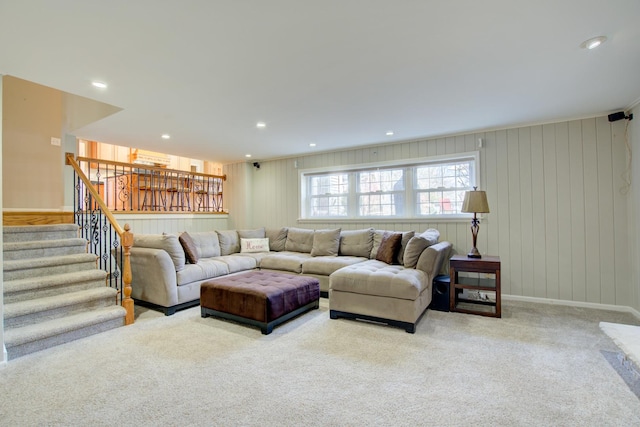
x,y
538,365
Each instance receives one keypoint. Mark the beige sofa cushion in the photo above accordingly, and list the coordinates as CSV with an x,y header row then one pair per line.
x,y
299,240
416,246
206,243
238,263
327,265
377,238
168,242
378,278
285,261
258,233
356,242
277,238
406,236
326,242
203,270
229,242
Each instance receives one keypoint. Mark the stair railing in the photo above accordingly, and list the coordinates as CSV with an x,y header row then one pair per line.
x,y
106,238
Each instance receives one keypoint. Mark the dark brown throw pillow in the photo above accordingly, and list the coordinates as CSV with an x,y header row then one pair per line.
x,y
190,250
389,247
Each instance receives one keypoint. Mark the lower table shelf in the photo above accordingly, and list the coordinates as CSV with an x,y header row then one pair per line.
x,y
475,285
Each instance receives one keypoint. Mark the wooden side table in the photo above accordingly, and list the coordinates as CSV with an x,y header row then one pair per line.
x,y
477,289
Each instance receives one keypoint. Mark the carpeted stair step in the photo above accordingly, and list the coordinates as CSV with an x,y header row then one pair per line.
x,y
43,248
22,313
39,287
28,339
29,233
37,267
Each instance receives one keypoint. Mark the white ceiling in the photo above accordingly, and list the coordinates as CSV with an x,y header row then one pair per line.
x,y
338,73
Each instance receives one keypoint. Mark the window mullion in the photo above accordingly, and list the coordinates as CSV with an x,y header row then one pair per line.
x,y
352,202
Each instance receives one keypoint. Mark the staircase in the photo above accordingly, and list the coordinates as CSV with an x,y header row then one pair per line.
x,y
53,291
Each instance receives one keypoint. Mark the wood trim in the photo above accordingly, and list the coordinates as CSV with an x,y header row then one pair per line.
x,y
10,218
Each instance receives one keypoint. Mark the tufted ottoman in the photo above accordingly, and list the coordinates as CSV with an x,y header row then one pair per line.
x,y
380,292
259,298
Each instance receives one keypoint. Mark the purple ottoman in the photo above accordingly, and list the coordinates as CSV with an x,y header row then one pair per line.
x,y
259,298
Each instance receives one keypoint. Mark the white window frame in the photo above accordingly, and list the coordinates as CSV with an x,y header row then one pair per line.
x,y
410,208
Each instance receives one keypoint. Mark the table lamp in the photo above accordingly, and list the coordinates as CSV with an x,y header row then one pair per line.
x,y
475,201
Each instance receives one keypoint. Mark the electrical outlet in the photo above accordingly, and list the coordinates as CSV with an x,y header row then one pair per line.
x,y
55,141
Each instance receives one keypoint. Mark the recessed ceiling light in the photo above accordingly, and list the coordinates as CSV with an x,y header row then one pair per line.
x,y
261,125
166,136
100,85
593,43
389,133
313,144
247,155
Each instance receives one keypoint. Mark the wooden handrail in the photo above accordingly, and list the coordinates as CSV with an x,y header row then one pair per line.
x,y
126,239
152,168
94,193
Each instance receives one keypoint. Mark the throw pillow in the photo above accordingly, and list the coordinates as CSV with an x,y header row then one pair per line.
x,y
326,242
190,250
254,245
389,247
414,249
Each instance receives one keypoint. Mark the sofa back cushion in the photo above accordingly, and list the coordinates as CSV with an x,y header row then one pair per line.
x,y
326,242
356,242
207,243
229,242
299,240
167,242
277,238
406,236
258,233
377,238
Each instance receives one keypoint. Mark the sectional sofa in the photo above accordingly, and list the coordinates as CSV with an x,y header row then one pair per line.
x,y
352,266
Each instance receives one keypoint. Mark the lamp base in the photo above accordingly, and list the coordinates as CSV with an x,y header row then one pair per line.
x,y
473,253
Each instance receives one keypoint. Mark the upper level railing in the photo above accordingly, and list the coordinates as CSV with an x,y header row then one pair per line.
x,y
135,187
105,237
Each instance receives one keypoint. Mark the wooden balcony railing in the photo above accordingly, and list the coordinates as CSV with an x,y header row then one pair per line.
x,y
133,187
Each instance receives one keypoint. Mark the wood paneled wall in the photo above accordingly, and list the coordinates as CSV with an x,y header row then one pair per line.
x,y
559,205
171,223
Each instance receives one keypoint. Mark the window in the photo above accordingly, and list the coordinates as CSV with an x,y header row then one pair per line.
x,y
380,192
440,188
328,195
424,188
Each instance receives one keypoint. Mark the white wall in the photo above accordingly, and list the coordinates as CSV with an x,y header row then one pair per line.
x,y
3,356
634,228
559,217
171,223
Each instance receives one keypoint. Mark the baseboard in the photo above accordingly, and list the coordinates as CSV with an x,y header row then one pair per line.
x,y
582,304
